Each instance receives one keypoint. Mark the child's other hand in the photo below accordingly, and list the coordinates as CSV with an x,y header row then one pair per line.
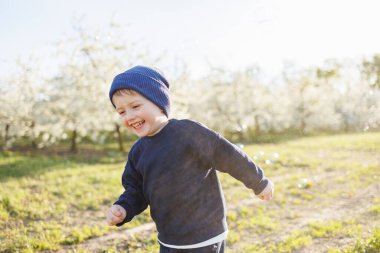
x,y
115,215
267,193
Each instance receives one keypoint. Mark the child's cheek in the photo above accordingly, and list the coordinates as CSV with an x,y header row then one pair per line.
x,y
125,123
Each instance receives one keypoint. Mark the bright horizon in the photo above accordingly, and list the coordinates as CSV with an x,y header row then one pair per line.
x,y
220,33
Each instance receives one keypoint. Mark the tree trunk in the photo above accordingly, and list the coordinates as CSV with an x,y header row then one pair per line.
x,y
34,143
257,126
6,136
119,137
303,125
73,147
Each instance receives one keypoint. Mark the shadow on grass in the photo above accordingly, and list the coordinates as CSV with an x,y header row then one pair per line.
x,y
34,163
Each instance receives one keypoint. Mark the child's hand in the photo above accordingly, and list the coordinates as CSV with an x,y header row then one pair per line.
x,y
115,215
267,193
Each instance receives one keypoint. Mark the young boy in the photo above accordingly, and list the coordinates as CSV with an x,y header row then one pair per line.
x,y
172,168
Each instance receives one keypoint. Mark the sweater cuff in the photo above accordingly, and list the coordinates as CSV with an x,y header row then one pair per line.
x,y
267,188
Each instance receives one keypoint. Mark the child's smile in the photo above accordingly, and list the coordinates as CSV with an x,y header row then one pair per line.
x,y
138,125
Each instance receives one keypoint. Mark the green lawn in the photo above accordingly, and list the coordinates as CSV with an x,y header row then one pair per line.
x,y
327,199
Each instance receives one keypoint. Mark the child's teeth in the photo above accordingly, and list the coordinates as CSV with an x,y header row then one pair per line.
x,y
137,124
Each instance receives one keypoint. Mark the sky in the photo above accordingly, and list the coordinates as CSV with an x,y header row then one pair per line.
x,y
202,33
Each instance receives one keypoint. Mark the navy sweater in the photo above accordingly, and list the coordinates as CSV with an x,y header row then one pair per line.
x,y
174,172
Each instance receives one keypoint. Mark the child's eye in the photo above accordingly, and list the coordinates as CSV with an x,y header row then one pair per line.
x,y
136,106
121,113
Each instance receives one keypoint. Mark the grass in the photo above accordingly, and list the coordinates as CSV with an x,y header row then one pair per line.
x,y
363,245
326,200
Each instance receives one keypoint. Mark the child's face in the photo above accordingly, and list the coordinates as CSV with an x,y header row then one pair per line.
x,y
139,114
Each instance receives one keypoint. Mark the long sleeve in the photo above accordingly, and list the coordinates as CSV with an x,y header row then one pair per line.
x,y
132,199
226,157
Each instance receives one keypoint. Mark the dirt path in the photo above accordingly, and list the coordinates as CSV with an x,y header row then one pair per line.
x,y
346,208
98,243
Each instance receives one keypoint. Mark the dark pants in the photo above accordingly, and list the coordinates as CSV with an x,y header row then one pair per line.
x,y
214,248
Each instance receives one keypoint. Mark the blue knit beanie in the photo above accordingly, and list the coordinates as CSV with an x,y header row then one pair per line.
x,y
146,81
